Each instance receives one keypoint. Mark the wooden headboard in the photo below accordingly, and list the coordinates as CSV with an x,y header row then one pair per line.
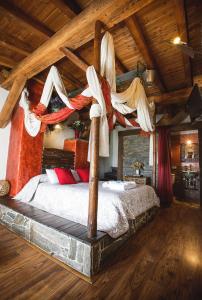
x,y
56,158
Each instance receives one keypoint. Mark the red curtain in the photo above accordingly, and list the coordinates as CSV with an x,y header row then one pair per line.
x,y
165,189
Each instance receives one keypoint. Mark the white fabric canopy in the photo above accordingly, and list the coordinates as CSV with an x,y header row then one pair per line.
x,y
107,60
134,98
54,80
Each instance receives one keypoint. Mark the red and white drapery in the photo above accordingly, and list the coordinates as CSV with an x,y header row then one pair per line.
x,y
110,107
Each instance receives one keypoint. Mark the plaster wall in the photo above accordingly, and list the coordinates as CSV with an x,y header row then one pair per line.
x,y
55,139
4,138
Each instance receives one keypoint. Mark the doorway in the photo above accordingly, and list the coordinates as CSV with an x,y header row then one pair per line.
x,y
185,166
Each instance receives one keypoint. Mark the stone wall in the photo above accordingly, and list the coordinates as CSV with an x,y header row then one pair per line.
x,y
84,257
136,147
64,247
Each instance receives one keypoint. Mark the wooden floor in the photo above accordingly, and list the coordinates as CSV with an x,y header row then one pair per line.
x,y
163,261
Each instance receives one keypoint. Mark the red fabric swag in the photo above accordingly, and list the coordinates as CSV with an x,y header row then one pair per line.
x,y
107,96
120,118
56,117
40,109
78,103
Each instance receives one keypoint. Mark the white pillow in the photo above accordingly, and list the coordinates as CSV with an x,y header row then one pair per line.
x,y
75,175
52,176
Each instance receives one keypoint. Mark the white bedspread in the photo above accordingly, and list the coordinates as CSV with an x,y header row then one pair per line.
x,y
115,208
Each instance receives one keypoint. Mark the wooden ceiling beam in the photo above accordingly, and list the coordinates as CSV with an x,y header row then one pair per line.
x,y
141,42
75,33
25,50
119,64
169,120
77,61
7,62
69,77
29,21
74,6
178,96
122,68
12,99
179,10
76,82
14,44
69,8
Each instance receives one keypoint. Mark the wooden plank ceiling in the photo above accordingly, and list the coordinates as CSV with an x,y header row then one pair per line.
x,y
25,25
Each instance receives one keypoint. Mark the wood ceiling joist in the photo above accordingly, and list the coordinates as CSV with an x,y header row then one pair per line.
x,y
178,96
138,35
77,32
14,44
69,8
73,5
29,21
179,9
7,62
122,68
77,83
169,120
12,99
120,65
77,61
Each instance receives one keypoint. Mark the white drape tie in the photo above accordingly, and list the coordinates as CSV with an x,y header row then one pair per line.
x,y
32,124
95,111
98,110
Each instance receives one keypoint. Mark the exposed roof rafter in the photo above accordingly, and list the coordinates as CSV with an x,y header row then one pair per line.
x,y
77,32
7,62
14,44
178,96
29,21
141,42
182,31
12,99
75,59
120,65
69,8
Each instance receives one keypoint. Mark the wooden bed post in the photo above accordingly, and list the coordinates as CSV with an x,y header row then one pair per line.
x,y
95,132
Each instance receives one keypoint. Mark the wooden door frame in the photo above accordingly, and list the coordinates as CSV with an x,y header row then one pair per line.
x,y
196,126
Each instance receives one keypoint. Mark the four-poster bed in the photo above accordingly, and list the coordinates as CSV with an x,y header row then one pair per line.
x,y
33,123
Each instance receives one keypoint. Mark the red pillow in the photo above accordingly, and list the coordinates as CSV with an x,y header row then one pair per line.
x,y
84,174
64,176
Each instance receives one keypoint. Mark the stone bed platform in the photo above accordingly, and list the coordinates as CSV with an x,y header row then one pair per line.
x,y
64,240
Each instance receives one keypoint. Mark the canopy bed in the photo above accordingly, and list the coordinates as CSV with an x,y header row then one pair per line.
x,y
117,213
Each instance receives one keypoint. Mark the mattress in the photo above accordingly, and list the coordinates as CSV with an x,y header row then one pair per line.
x,y
115,208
